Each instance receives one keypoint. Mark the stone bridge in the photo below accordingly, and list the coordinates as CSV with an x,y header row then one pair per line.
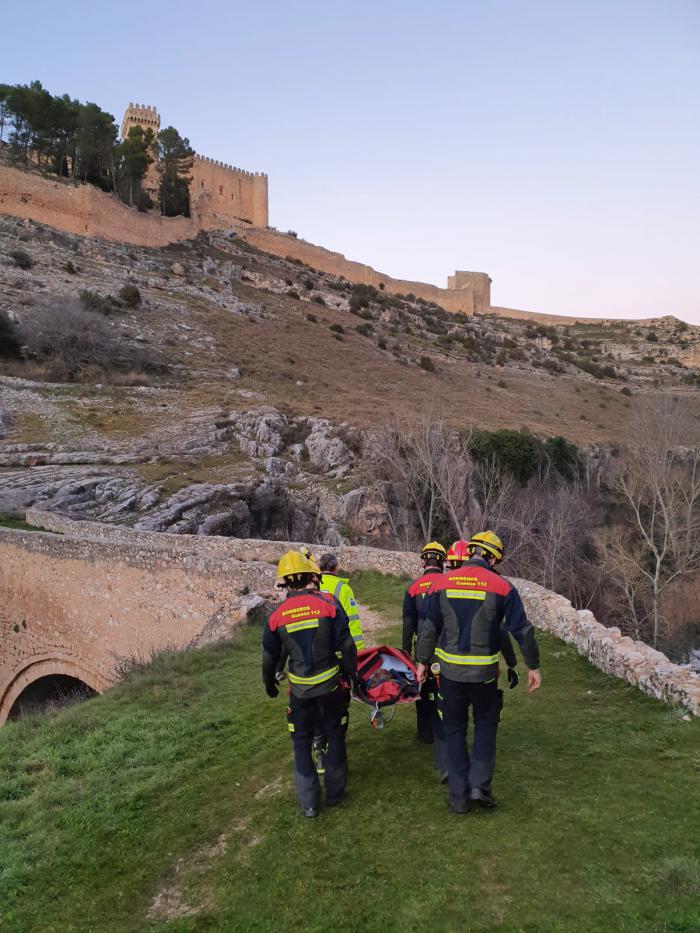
x,y
79,600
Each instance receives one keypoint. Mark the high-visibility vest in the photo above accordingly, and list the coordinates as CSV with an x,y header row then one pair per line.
x,y
341,589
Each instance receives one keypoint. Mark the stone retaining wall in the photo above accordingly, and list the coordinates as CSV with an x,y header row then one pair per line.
x,y
237,566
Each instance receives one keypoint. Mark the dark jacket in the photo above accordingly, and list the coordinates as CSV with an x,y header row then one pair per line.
x,y
463,627
310,627
415,607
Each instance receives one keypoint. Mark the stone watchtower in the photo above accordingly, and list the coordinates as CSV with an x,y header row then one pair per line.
x,y
148,118
478,283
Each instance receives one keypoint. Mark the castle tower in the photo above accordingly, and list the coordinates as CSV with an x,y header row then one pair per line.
x,y
140,115
478,282
149,119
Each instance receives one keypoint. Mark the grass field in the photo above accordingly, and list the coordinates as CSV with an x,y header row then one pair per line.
x,y
167,803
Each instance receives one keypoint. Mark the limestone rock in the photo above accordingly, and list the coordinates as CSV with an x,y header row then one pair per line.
x,y
177,269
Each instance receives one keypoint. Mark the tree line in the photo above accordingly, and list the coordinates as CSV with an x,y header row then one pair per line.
x,y
623,541
66,137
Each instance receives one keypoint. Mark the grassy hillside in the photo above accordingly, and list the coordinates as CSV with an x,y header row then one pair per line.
x,y
168,804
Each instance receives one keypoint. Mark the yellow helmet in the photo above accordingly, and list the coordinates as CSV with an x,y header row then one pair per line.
x,y
489,541
307,553
433,549
294,563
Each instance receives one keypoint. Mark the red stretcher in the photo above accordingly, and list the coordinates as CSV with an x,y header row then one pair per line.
x,y
386,678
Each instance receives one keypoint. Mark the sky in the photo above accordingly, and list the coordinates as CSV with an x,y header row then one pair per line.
x,y
554,144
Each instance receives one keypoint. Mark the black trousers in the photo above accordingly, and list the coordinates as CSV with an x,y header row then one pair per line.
x,y
429,723
469,772
304,716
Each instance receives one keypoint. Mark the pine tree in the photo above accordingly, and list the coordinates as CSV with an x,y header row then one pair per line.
x,y
174,166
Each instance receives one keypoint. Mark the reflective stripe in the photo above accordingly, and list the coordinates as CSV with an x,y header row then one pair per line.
x,y
338,588
466,594
475,659
440,713
355,617
299,626
290,726
316,679
358,638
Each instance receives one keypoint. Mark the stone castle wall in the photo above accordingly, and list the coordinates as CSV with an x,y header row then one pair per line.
x,y
85,210
462,301
228,194
87,595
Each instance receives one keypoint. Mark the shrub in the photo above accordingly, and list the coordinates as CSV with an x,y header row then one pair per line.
x,y
381,343
515,451
308,284
427,364
365,330
293,294
319,300
130,296
502,357
312,317
382,287
337,328
338,336
289,282
73,342
10,341
292,233
626,390
92,301
652,337
502,384
69,268
21,258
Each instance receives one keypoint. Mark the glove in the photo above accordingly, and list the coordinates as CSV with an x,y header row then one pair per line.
x,y
271,690
513,677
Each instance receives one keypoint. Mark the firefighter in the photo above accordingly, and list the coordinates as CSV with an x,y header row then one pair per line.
x,y
311,627
340,588
415,608
456,556
467,606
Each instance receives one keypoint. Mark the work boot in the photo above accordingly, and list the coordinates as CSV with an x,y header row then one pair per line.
x,y
334,801
318,756
310,813
482,798
459,809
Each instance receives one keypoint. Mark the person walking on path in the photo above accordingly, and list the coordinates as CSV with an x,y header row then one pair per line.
x,y
466,608
311,627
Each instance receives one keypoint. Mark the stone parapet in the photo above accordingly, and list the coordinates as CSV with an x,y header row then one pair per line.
x,y
180,589
611,651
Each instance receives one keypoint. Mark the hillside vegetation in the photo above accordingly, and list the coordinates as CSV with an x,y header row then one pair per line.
x,y
168,803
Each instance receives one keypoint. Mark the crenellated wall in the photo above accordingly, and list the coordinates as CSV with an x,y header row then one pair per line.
x,y
81,597
221,192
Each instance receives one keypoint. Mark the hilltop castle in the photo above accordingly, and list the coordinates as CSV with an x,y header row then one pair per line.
x,y
220,194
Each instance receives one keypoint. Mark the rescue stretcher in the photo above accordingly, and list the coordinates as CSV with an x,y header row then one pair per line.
x,y
386,678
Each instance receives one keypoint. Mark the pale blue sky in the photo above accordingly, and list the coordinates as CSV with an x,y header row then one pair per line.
x,y
554,144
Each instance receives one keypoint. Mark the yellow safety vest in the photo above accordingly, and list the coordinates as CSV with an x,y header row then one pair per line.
x,y
340,588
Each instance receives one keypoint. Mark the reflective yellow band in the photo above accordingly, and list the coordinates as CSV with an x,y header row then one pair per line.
x,y
440,713
316,679
290,726
466,594
299,626
474,659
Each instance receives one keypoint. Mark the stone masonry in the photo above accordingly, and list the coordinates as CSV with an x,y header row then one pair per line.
x,y
82,598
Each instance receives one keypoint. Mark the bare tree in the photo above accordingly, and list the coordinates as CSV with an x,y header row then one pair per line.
x,y
658,487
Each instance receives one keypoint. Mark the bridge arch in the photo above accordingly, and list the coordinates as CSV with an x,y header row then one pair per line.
x,y
48,666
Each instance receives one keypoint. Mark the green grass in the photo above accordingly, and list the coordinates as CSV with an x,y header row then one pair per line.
x,y
14,520
180,782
